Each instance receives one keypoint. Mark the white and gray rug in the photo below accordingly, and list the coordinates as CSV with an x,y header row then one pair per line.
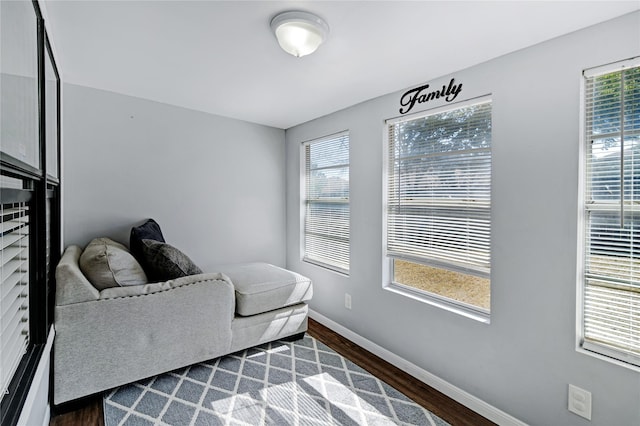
x,y
280,383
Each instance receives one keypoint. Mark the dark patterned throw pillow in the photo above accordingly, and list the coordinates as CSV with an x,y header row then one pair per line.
x,y
165,262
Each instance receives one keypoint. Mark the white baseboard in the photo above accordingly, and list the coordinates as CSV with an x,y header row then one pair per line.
x,y
479,406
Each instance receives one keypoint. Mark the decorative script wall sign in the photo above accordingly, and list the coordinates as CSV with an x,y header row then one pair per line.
x,y
420,95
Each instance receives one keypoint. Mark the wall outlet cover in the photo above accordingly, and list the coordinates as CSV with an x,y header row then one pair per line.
x,y
580,402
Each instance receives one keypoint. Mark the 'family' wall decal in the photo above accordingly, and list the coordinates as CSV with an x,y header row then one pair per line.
x,y
413,96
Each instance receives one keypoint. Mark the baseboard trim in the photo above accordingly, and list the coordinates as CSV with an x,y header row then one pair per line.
x,y
476,404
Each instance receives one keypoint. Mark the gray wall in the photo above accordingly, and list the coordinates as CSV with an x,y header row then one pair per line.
x,y
215,185
523,361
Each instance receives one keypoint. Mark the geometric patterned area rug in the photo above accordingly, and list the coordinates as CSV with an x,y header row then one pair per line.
x,y
280,383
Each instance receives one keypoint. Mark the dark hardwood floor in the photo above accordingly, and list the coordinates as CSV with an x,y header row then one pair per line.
x,y
89,412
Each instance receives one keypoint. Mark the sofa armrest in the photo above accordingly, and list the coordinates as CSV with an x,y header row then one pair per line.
x,y
130,333
71,284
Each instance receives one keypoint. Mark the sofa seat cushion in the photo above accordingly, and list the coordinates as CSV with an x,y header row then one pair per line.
x,y
261,287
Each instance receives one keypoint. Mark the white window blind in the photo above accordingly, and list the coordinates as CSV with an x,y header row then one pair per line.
x,y
611,290
439,188
326,220
14,289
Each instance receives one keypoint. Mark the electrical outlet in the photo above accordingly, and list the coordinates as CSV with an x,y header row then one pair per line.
x,y
347,300
580,402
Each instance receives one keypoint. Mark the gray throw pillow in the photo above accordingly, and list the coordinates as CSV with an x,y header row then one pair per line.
x,y
165,262
107,263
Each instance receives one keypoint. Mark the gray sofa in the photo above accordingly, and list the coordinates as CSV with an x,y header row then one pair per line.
x,y
123,334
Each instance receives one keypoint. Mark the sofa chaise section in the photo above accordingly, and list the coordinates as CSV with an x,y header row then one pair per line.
x,y
120,335
261,292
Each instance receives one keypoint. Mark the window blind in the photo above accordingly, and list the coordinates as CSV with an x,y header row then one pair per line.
x,y
611,290
326,223
14,289
439,188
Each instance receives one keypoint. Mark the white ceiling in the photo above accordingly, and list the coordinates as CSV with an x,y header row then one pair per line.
x,y
221,57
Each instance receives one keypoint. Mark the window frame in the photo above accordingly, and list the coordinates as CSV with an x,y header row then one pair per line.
x,y
461,308
305,203
43,192
582,344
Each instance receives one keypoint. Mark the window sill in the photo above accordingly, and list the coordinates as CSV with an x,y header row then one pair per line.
x,y
462,309
337,270
592,351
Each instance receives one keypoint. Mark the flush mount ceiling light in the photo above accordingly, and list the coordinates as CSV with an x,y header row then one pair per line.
x,y
299,33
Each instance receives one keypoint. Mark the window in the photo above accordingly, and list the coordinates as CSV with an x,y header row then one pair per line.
x,y
438,205
29,199
610,287
326,218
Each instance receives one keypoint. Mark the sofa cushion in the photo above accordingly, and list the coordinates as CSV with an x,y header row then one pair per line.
x,y
165,262
107,263
261,287
150,230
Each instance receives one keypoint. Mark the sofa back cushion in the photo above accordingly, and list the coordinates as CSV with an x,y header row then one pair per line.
x,y
107,263
150,230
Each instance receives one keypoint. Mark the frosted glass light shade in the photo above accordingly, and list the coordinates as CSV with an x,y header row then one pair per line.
x,y
299,33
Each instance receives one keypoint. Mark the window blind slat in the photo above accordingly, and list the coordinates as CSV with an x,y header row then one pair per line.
x,y
439,188
14,288
16,320
326,219
611,291
11,359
